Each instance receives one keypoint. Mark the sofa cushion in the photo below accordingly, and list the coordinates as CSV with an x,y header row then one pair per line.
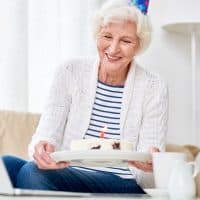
x,y
181,149
16,129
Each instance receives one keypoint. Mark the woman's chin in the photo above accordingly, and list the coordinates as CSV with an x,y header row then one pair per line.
x,y
112,66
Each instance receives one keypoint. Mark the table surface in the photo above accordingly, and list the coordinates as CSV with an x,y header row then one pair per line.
x,y
85,198
75,198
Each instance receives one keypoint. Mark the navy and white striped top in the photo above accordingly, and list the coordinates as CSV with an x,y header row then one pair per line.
x,y
106,112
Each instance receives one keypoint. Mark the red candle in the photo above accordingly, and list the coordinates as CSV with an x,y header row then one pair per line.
x,y
102,132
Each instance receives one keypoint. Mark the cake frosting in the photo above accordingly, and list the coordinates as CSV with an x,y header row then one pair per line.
x,y
100,144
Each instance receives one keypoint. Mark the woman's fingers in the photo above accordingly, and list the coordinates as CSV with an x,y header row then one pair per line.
x,y
43,159
41,154
144,166
61,165
154,149
53,165
49,148
40,163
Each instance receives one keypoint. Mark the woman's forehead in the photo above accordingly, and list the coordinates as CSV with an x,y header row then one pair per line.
x,y
122,27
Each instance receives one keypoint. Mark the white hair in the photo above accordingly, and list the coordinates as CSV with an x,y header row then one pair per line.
x,y
120,10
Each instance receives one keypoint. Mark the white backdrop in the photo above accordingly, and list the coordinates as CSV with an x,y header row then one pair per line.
x,y
36,35
170,56
13,54
58,29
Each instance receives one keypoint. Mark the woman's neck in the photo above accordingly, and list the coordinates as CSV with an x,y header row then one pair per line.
x,y
117,78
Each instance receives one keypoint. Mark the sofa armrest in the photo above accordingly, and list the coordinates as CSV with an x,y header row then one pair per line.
x,y
16,130
181,149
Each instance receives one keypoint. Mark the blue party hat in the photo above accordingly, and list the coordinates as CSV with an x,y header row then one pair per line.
x,y
142,5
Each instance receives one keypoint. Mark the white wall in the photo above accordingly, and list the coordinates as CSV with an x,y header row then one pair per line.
x,y
13,54
169,55
43,49
58,30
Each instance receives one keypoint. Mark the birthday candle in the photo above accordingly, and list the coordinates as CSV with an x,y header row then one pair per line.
x,y
102,132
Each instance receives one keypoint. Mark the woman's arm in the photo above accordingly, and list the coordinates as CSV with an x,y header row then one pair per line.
x,y
52,122
155,116
154,122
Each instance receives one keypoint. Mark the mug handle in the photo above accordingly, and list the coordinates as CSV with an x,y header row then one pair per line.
x,y
196,169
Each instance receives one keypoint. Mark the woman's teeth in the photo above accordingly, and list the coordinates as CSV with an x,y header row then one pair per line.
x,y
113,58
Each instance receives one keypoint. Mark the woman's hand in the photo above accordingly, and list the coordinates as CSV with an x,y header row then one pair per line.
x,y
145,166
43,159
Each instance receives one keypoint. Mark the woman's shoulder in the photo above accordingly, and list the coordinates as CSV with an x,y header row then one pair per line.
x,y
77,64
151,78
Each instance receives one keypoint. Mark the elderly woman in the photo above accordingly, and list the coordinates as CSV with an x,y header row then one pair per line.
x,y
87,94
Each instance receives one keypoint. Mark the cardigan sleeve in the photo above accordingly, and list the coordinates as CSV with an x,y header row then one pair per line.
x,y
155,116
53,119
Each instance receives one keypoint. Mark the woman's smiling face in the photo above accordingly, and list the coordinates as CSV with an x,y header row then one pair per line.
x,y
117,44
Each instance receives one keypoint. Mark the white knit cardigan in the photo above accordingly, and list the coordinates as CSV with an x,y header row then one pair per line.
x,y
69,105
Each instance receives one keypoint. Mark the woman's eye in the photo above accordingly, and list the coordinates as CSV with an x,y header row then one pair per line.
x,y
126,41
107,36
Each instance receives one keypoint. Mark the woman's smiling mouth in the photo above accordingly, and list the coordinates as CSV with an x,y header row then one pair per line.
x,y
113,58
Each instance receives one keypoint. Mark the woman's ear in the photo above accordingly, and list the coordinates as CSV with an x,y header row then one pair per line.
x,y
137,47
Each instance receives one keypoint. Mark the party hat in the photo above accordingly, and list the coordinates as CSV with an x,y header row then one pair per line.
x,y
142,5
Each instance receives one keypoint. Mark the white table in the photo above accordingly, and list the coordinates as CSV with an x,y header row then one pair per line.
x,y
79,198
156,195
74,198
71,198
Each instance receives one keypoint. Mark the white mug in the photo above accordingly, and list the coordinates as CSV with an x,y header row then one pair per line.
x,y
163,163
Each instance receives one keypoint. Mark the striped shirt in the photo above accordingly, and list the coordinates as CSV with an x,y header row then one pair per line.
x,y
106,112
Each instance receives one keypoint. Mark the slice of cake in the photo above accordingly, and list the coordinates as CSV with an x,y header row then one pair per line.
x,y
100,144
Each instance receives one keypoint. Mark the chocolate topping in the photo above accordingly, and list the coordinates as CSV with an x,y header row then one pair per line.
x,y
96,147
116,145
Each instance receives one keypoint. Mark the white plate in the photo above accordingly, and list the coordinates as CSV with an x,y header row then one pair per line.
x,y
100,158
157,192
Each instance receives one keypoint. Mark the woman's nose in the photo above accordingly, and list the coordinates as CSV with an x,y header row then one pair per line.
x,y
114,47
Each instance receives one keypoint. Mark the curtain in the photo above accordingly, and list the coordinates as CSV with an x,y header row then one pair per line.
x,y
36,36
13,54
